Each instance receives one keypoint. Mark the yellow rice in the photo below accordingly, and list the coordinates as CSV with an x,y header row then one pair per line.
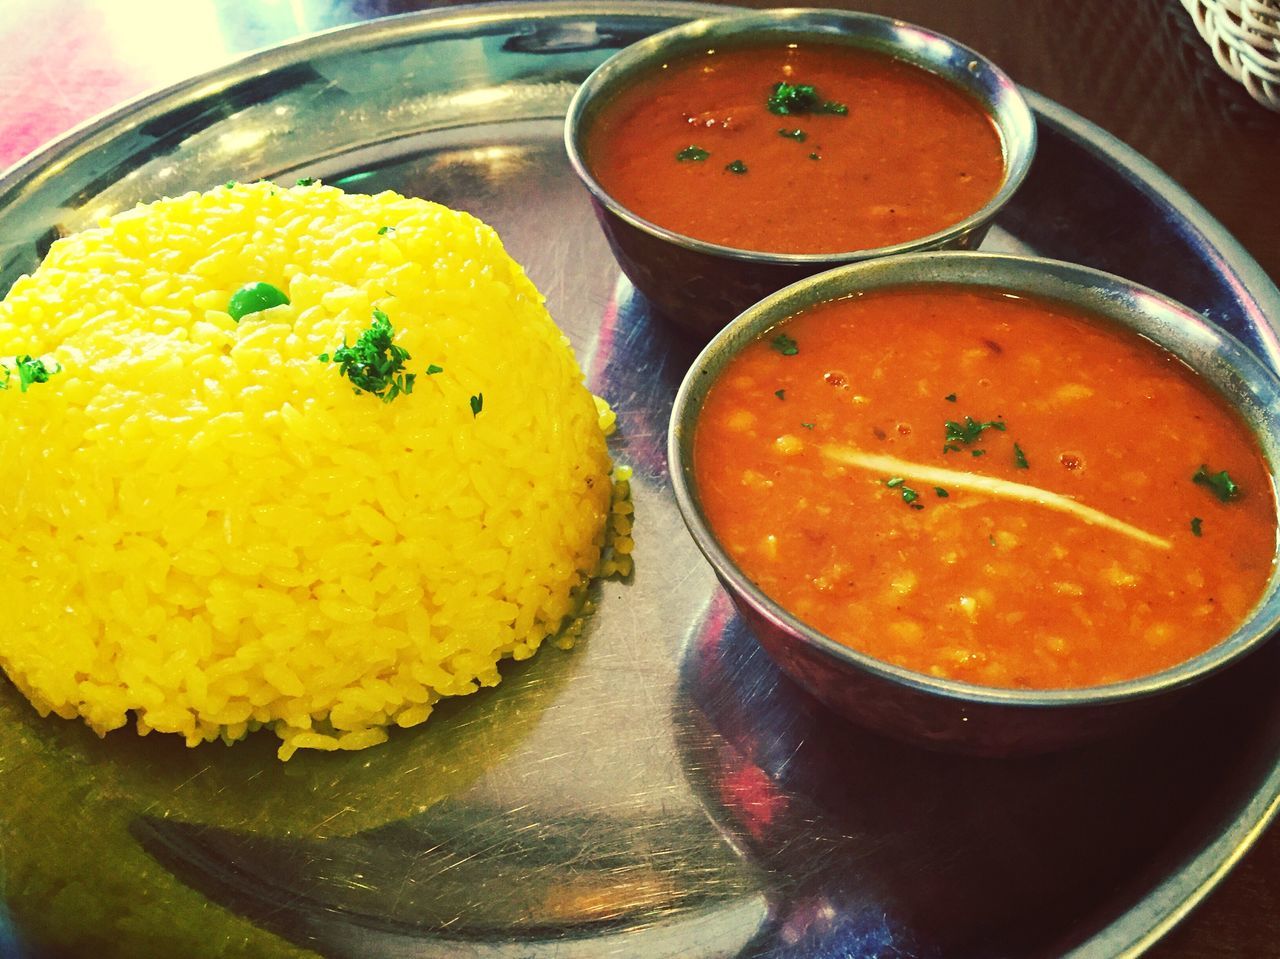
x,y
207,528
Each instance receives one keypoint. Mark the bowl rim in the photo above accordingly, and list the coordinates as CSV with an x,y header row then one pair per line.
x,y
1010,273
1008,110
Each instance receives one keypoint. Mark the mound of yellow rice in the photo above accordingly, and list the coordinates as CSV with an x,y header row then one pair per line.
x,y
208,528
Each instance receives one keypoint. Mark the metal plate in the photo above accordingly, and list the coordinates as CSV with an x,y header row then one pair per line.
x,y
660,790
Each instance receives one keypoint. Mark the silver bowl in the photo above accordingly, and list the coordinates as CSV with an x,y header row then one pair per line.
x,y
701,286
944,713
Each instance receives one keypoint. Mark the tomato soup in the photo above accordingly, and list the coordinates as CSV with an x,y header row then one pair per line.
x,y
796,148
987,488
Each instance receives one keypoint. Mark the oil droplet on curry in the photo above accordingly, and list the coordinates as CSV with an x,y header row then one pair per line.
x,y
987,488
796,148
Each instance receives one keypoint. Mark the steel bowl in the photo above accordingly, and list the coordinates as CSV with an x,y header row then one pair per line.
x,y
948,714
701,286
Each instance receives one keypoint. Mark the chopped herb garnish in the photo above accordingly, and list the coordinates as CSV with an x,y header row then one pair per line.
x,y
950,397
374,364
807,426
254,298
814,156
1222,485
797,134
306,181
978,452
230,184
384,230
477,404
784,345
991,539
909,496
780,394
29,371
1019,457
1195,526
692,154
788,98
966,432
939,491
432,369
737,166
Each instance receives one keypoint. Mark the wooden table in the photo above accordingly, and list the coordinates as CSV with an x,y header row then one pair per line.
x,y
1136,68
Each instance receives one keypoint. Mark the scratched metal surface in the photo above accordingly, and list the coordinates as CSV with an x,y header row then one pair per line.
x,y
661,790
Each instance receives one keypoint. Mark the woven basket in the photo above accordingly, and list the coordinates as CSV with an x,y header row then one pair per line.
x,y
1245,38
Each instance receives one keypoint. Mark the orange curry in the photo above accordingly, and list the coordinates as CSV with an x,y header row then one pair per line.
x,y
987,488
815,148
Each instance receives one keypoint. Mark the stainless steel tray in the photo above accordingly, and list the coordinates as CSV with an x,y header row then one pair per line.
x,y
660,790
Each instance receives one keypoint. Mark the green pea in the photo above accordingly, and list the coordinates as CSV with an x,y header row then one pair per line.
x,y
254,298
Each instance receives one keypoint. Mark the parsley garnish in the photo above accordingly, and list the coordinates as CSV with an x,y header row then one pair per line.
x,y
909,496
1195,525
939,491
477,404
432,369
306,181
230,184
737,166
780,394
950,397
29,371
1222,485
807,426
384,230
797,134
374,364
786,99
966,432
254,298
1019,457
33,371
784,345
814,156
692,154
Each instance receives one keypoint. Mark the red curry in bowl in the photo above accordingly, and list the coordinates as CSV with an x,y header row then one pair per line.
x,y
796,147
988,488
